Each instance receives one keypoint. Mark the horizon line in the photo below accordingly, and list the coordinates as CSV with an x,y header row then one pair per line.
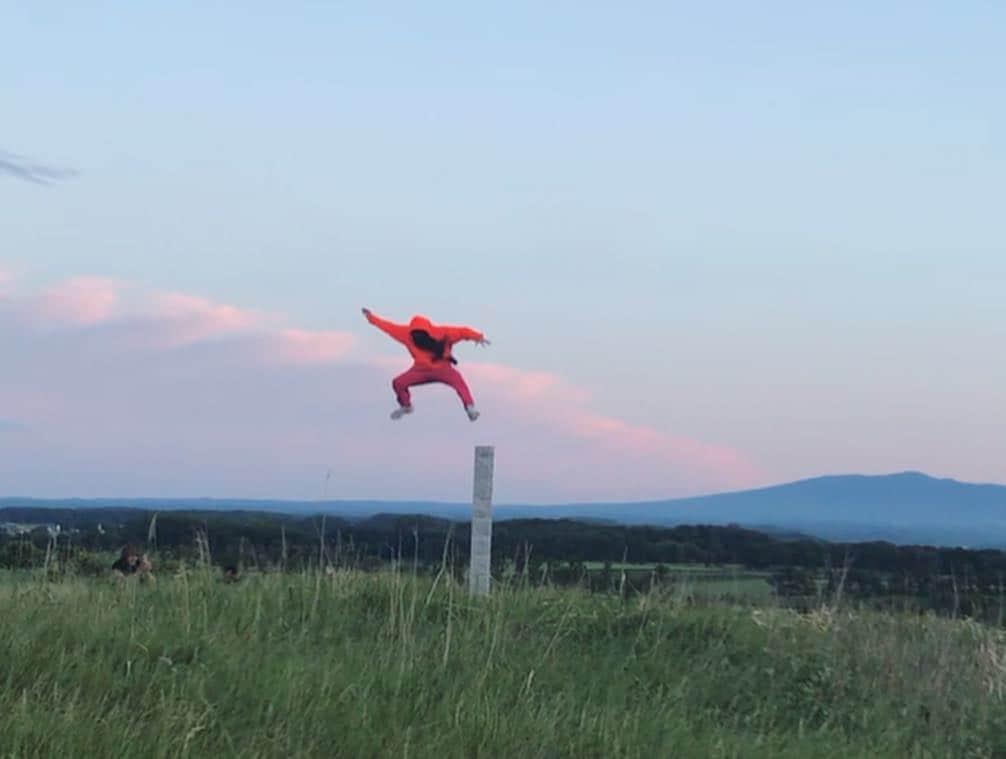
x,y
371,500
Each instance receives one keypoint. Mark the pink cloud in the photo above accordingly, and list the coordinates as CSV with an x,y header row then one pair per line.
x,y
528,386
552,398
176,394
135,319
734,469
80,301
214,317
185,318
305,346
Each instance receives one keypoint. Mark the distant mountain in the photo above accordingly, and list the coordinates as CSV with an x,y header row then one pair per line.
x,y
905,507
909,507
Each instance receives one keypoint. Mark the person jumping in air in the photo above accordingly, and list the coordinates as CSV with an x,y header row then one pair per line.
x,y
430,346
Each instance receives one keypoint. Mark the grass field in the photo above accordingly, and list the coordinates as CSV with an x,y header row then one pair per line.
x,y
700,580
368,665
696,569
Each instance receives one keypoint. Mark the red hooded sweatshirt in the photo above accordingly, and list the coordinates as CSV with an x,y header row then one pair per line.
x,y
429,344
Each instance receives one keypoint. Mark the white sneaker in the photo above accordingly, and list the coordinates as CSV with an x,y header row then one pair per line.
x,y
473,413
401,411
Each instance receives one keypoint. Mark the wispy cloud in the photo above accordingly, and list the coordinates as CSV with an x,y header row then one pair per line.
x,y
128,391
565,407
82,300
19,167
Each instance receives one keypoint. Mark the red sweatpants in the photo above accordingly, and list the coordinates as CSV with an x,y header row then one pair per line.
x,y
424,375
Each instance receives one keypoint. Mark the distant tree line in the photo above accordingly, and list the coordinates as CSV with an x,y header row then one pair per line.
x,y
264,537
537,550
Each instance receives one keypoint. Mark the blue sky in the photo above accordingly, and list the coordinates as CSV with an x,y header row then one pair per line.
x,y
772,228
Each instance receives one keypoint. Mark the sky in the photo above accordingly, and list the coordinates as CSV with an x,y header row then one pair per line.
x,y
715,246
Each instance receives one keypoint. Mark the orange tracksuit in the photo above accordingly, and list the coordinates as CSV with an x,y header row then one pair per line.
x,y
430,347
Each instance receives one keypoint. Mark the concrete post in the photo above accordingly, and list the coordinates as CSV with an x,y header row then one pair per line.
x,y
482,520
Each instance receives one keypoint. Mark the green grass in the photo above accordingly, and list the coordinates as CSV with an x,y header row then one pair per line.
x,y
699,580
379,665
751,588
617,566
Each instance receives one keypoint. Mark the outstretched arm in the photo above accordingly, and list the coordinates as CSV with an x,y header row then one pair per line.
x,y
456,334
399,332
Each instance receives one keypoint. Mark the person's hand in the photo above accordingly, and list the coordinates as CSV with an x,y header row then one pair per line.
x,y
483,342
366,311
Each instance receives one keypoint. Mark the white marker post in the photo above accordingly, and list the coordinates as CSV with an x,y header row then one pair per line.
x,y
482,521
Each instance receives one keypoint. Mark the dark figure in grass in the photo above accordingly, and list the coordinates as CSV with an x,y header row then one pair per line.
x,y
131,563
